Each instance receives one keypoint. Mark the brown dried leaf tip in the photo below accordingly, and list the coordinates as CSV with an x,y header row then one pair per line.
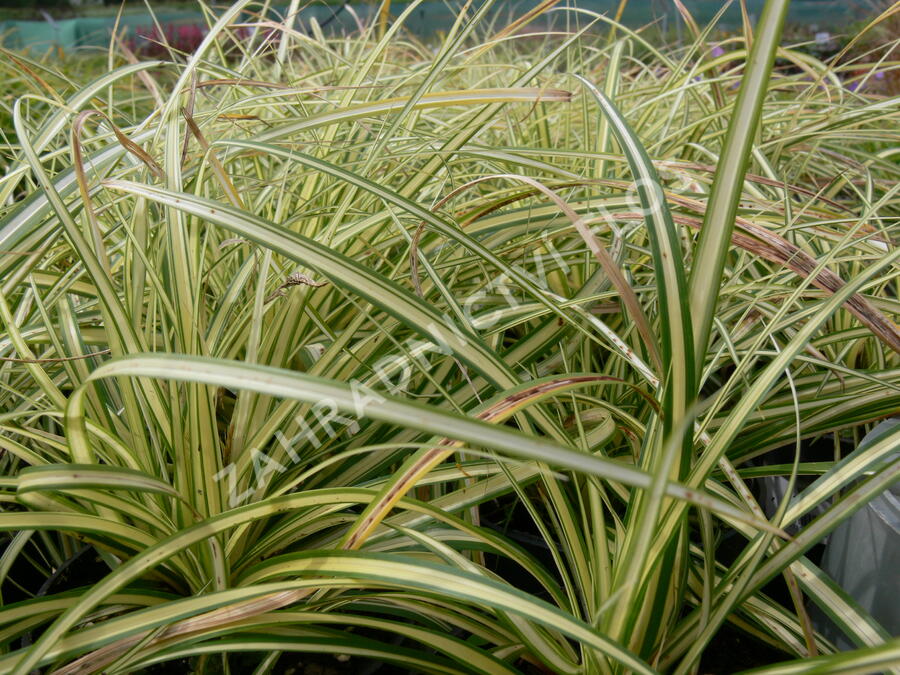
x,y
295,279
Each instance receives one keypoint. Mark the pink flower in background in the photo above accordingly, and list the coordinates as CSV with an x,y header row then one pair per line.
x,y
181,37
188,37
185,38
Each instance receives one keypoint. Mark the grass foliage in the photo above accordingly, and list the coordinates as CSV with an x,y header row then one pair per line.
x,y
300,333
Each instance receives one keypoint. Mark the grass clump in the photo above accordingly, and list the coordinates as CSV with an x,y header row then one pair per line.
x,y
292,326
